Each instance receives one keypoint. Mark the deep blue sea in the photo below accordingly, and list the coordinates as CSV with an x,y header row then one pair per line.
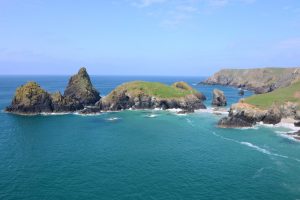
x,y
140,154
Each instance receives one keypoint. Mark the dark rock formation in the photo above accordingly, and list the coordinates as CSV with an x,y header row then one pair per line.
x,y
65,104
297,124
30,99
81,89
242,115
233,122
273,116
241,92
219,98
260,80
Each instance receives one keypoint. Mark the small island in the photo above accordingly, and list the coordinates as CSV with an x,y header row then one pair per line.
x,y
80,96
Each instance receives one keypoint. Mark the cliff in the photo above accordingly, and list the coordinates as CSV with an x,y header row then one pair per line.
x,y
260,80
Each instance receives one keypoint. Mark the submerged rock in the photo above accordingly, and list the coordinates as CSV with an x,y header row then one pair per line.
x,y
80,88
30,99
219,98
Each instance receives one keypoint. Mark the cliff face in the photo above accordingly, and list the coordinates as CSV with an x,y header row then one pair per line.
x,y
147,95
260,80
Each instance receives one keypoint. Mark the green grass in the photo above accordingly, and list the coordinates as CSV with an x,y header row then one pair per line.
x,y
279,97
155,89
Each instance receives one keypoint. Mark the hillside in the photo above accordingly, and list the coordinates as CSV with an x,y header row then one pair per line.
x,y
260,80
278,97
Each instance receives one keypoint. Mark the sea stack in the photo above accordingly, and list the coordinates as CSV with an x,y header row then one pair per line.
x,y
30,99
81,89
219,98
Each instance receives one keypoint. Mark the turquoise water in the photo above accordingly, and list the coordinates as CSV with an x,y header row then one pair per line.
x,y
140,154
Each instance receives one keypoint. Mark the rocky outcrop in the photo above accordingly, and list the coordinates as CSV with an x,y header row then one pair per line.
x,y
273,116
81,89
30,99
137,95
259,80
245,115
64,104
219,98
242,115
81,97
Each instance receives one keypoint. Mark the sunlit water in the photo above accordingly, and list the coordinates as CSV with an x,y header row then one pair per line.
x,y
140,154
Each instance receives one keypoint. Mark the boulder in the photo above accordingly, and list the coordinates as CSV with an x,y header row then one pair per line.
x,y
219,98
234,122
30,99
80,89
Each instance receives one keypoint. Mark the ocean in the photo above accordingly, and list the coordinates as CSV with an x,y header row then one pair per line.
x,y
145,154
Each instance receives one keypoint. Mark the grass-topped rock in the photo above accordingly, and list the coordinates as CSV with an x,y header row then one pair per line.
x,y
149,95
30,99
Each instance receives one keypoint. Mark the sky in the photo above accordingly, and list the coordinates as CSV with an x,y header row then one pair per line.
x,y
147,37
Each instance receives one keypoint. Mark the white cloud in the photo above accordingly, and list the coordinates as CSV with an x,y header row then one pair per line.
x,y
175,12
146,3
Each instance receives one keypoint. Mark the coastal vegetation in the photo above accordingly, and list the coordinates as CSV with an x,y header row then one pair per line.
x,y
277,97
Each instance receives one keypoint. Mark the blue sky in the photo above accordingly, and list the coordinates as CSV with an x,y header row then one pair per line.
x,y
147,37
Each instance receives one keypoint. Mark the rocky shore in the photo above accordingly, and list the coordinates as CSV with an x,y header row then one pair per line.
x,y
80,96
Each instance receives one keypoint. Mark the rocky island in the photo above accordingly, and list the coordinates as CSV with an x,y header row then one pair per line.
x,y
80,96
260,80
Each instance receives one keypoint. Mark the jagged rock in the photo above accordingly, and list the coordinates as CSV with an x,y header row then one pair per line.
x,y
64,104
81,89
241,115
234,122
273,116
219,98
30,99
